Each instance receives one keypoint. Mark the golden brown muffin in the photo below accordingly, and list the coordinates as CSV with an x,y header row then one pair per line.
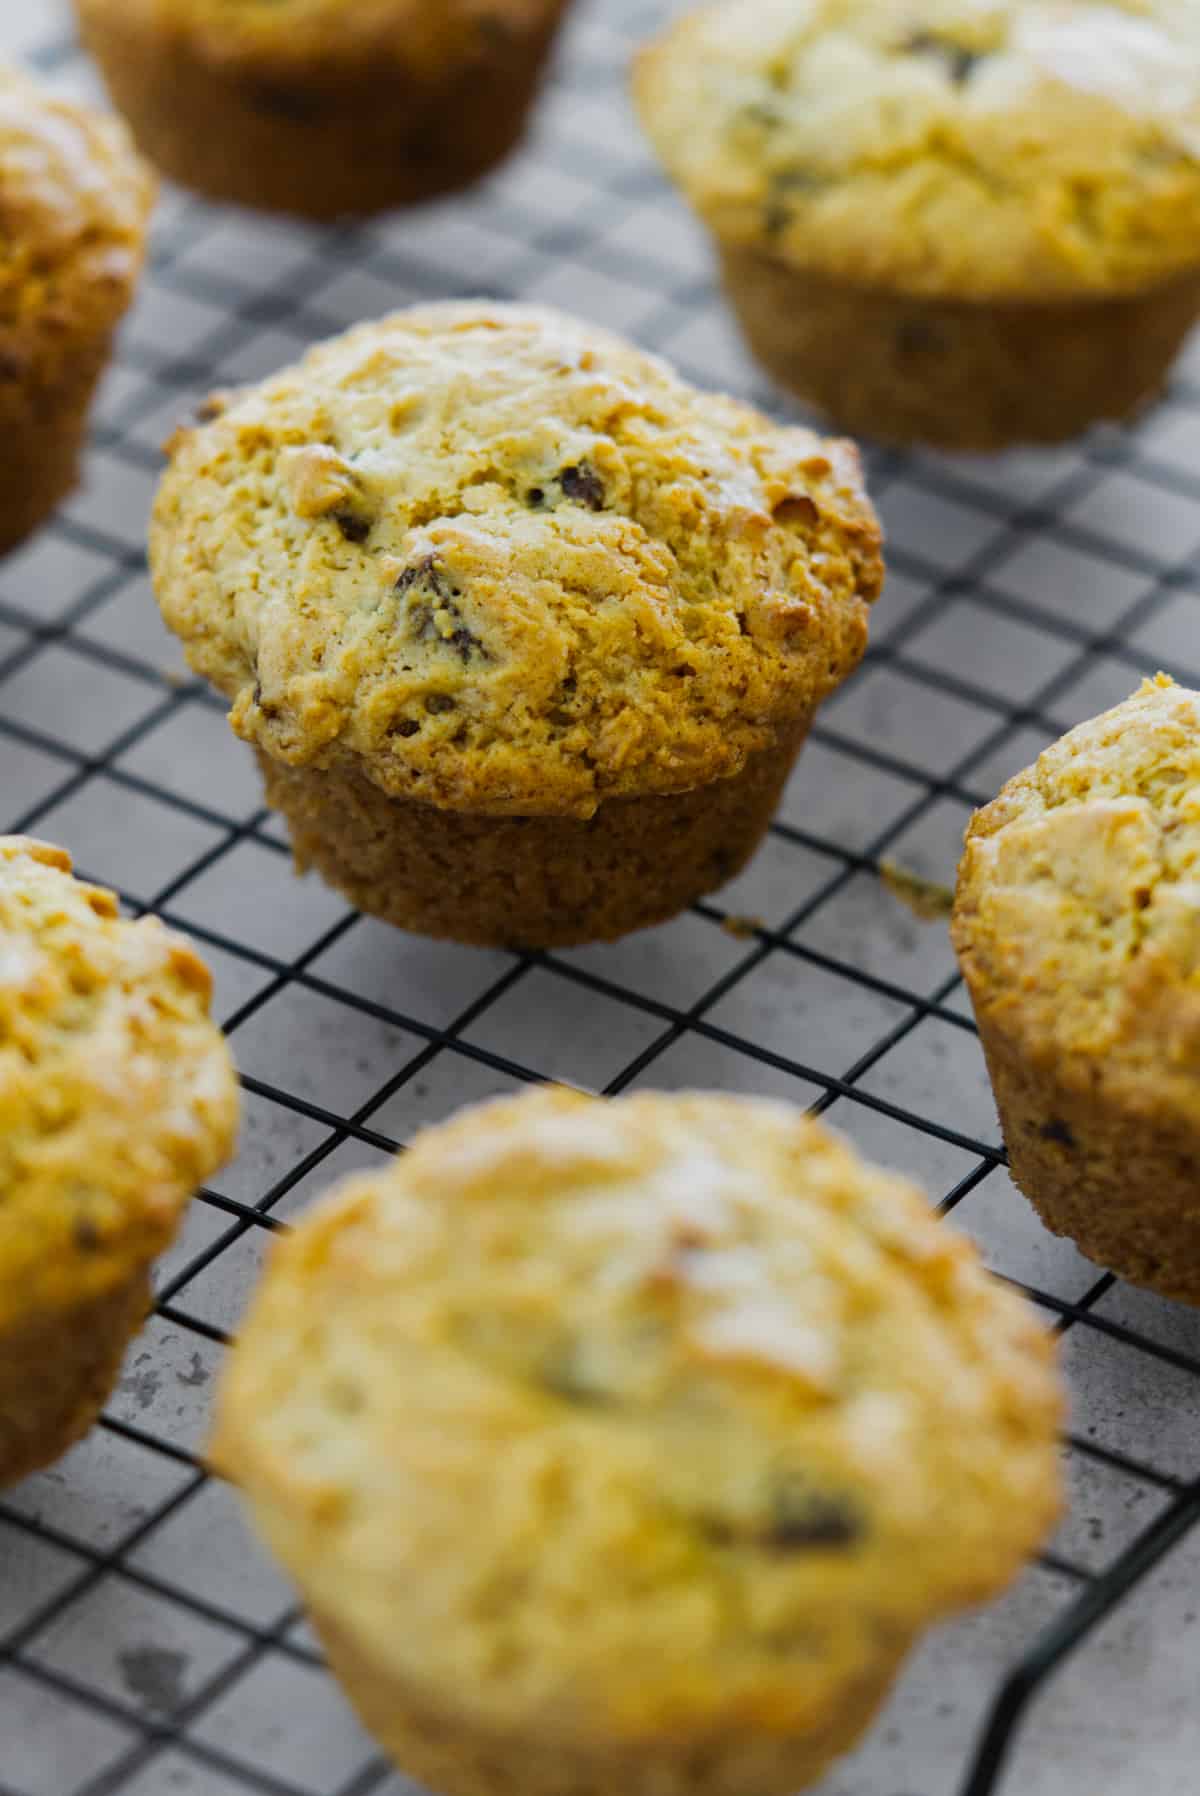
x,y
959,222
627,1446
74,206
526,631
117,1099
323,107
1077,924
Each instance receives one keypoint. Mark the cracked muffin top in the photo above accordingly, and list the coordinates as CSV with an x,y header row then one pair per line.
x,y
279,33
501,561
683,1365
74,203
117,1094
1077,918
976,148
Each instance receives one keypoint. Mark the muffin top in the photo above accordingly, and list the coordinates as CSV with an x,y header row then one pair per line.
x,y
500,561
74,201
976,148
278,34
681,1368
1077,918
117,1096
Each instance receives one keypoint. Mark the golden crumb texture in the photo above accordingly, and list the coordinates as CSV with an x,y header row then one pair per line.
x,y
1077,917
117,1094
500,561
980,148
74,205
279,35
663,1420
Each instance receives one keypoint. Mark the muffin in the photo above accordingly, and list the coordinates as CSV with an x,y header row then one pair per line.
x,y
967,223
526,631
1077,924
628,1446
117,1099
74,207
323,107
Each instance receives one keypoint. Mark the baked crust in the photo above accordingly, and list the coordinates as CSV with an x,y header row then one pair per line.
x,y
498,561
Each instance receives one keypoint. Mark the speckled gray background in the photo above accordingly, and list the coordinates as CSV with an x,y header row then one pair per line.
x,y
146,1648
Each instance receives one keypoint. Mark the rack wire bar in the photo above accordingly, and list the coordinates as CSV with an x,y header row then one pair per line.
x,y
1093,1606
146,1646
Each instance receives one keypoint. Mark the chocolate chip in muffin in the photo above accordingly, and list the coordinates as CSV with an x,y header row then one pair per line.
x,y
582,484
762,115
799,1520
86,1235
423,627
784,185
1059,1132
564,1374
354,526
423,572
459,637
433,614
960,63
803,1520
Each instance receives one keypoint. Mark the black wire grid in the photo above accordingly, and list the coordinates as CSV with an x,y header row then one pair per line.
x,y
145,1646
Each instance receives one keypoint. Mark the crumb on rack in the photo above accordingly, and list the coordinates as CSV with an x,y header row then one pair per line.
x,y
744,928
927,899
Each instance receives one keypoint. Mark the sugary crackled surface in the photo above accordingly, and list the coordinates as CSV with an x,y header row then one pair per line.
x,y
624,1417
117,1094
1077,917
74,202
500,560
1007,148
422,37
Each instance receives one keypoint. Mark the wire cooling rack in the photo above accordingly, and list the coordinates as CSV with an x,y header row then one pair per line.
x,y
146,1647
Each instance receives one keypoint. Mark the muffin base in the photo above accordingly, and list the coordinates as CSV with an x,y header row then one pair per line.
x,y
323,139
1124,1188
527,882
42,424
456,1760
57,1372
960,376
